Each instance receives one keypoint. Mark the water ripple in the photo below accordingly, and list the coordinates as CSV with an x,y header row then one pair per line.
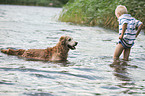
x,y
54,72
38,94
6,83
88,72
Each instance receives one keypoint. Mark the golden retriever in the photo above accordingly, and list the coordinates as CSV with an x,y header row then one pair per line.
x,y
56,53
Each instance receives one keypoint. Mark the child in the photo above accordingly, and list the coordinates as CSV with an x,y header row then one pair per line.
x,y
127,32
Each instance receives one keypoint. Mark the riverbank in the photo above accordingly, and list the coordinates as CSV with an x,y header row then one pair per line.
x,y
48,3
100,13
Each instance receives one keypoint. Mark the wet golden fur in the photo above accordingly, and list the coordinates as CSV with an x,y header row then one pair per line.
x,y
56,53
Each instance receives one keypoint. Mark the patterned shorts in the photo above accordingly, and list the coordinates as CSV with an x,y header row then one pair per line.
x,y
124,44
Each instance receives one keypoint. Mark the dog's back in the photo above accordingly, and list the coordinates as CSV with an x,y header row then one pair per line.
x,y
35,54
40,54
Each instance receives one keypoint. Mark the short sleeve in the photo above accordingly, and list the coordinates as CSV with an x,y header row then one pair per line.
x,y
138,23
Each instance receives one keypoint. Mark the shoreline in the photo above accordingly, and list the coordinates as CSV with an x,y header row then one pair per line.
x,y
45,3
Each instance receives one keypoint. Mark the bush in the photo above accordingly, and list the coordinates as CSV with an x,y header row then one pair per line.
x,y
100,12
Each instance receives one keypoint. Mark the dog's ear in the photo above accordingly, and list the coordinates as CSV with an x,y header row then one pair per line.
x,y
62,38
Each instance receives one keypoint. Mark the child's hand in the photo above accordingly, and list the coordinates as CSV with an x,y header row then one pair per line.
x,y
120,37
138,30
123,31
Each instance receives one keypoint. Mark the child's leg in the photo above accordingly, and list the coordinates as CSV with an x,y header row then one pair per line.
x,y
126,53
118,50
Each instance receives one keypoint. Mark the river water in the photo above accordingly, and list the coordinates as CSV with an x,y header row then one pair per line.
x,y
89,71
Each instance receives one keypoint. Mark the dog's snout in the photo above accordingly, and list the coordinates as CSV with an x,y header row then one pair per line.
x,y
76,43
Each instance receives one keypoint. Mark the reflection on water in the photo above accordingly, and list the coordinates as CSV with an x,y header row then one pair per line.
x,y
120,72
86,73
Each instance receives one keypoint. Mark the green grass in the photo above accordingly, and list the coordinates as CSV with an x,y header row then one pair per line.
x,y
100,12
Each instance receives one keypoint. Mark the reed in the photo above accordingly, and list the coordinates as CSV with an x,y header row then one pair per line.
x,y
100,12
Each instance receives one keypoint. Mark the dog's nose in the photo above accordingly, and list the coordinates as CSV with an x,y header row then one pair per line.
x,y
76,43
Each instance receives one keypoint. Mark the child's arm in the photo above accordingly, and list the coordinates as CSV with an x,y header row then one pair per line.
x,y
123,31
138,30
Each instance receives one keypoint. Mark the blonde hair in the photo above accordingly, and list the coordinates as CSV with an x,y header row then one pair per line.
x,y
121,9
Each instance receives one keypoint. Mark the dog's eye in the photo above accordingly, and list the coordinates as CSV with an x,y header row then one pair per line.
x,y
69,39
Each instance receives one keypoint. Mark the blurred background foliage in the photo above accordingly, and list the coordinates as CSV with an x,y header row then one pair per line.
x,y
89,12
52,3
100,12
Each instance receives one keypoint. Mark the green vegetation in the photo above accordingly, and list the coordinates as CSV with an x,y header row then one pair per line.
x,y
100,12
53,3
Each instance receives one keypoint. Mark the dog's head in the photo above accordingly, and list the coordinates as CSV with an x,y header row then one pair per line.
x,y
68,42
